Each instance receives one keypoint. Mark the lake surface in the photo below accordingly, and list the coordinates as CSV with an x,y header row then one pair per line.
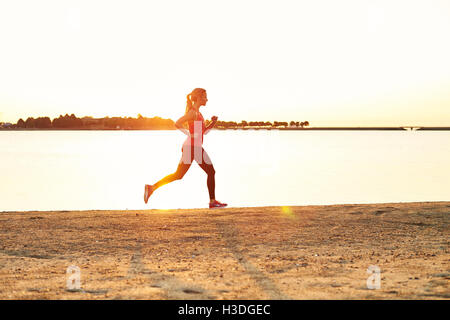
x,y
80,170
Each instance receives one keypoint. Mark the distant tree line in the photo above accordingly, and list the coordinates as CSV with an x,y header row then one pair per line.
x,y
260,124
72,122
45,123
155,123
139,123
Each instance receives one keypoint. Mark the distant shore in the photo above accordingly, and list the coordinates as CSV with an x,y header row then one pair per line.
x,y
297,252
247,128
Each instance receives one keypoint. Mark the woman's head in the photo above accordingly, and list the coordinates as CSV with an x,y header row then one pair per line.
x,y
198,96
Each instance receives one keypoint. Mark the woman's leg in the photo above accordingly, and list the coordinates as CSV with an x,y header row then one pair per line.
x,y
182,168
207,166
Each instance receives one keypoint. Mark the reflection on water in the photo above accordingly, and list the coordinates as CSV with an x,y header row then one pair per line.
x,y
78,170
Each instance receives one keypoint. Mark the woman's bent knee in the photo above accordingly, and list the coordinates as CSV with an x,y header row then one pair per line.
x,y
178,176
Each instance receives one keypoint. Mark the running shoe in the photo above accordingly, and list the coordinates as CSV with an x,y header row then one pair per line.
x,y
216,204
148,192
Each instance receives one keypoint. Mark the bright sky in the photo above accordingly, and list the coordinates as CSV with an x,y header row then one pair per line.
x,y
347,62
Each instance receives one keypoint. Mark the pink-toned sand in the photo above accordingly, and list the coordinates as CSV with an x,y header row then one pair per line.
x,y
303,252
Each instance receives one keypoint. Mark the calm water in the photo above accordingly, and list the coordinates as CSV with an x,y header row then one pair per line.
x,y
77,170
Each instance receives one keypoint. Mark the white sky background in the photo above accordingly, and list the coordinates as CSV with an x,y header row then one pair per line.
x,y
336,63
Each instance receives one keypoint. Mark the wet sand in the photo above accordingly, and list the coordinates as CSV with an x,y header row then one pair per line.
x,y
302,252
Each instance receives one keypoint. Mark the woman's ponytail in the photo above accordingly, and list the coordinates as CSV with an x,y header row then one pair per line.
x,y
189,103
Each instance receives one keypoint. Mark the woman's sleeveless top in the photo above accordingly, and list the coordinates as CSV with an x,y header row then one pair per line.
x,y
197,129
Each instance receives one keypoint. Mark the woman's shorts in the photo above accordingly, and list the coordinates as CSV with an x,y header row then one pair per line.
x,y
197,153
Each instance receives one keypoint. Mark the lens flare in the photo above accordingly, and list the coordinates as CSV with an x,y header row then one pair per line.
x,y
287,211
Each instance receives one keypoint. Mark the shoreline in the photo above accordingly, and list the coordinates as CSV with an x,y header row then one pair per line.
x,y
271,252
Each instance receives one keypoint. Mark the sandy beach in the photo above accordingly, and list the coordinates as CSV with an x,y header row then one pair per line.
x,y
302,252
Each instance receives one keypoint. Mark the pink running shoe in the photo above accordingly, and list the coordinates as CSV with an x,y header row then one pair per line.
x,y
217,204
148,192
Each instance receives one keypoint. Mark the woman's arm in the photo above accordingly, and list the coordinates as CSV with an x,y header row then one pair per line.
x,y
211,125
179,124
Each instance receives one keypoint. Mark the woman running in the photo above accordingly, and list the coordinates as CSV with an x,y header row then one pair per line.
x,y
192,147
